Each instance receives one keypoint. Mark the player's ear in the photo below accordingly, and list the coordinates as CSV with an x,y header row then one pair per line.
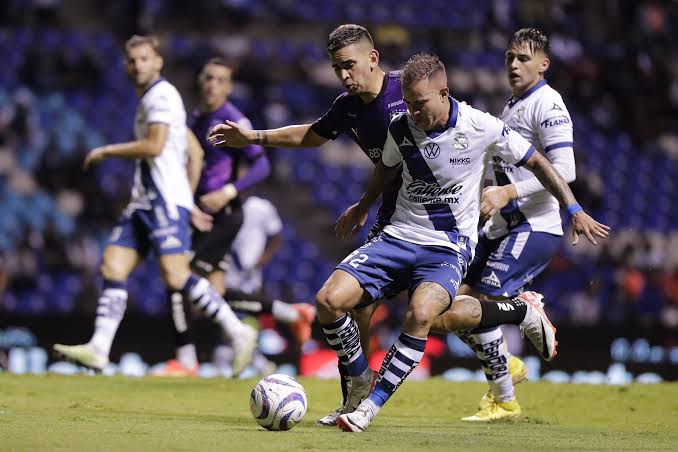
x,y
444,93
544,65
374,59
159,62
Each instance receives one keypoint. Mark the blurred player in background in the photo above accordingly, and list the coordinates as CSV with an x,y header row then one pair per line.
x,y
253,248
524,227
158,215
432,234
220,182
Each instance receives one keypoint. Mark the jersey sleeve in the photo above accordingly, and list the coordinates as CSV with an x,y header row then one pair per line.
x,y
391,155
158,106
507,143
272,224
553,123
335,121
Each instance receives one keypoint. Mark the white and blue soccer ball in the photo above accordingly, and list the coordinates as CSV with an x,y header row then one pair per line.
x,y
278,402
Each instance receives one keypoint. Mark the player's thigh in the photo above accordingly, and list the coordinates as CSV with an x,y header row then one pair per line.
x,y
428,301
522,256
210,248
118,262
382,267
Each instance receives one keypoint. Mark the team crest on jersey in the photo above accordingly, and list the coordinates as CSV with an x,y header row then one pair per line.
x,y
459,142
519,113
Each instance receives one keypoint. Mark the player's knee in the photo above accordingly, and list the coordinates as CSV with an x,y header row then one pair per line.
x,y
329,299
113,270
419,317
174,278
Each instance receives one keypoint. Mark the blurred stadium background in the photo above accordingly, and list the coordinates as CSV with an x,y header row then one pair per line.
x,y
63,91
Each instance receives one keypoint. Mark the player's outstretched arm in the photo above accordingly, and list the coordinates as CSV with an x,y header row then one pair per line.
x,y
232,134
582,223
355,216
148,147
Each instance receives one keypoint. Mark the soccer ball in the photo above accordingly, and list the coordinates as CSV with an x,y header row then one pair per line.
x,y
278,402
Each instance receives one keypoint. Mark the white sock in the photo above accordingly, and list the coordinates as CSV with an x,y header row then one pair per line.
x,y
200,292
110,311
187,356
494,356
284,312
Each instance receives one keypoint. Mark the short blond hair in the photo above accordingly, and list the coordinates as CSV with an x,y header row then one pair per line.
x,y
138,40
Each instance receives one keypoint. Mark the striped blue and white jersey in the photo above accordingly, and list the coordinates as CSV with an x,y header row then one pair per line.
x,y
443,172
540,116
162,179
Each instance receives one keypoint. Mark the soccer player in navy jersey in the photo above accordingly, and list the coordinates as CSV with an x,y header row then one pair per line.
x,y
372,98
158,215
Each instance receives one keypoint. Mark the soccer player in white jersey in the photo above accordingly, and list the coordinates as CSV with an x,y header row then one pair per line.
x,y
257,241
524,227
157,216
442,147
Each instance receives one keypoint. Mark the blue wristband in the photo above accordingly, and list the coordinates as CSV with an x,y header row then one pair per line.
x,y
574,208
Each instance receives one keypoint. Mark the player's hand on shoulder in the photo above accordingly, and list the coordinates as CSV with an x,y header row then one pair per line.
x,y
94,156
229,134
493,199
202,221
350,221
582,223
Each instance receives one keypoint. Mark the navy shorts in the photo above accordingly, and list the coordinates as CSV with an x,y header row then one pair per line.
x,y
162,229
387,265
502,267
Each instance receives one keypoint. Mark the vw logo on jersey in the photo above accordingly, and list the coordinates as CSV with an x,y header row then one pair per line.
x,y
431,150
460,142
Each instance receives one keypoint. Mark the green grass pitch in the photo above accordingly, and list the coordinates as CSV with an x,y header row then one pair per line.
x,y
115,413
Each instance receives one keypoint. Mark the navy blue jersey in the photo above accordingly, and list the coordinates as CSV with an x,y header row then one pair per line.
x,y
367,125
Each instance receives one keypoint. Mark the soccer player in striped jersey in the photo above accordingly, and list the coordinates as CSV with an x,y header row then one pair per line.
x,y
524,228
442,147
158,215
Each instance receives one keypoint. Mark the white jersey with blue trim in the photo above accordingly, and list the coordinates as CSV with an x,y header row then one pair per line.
x,y
162,178
540,116
443,171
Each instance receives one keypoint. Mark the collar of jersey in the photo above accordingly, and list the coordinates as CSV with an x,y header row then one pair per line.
x,y
451,120
514,100
152,85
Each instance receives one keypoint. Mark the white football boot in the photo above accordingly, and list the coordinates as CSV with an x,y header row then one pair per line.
x,y
537,327
244,343
84,354
360,418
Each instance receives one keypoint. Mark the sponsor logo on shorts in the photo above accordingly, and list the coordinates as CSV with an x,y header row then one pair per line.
x,y
491,280
170,242
498,265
